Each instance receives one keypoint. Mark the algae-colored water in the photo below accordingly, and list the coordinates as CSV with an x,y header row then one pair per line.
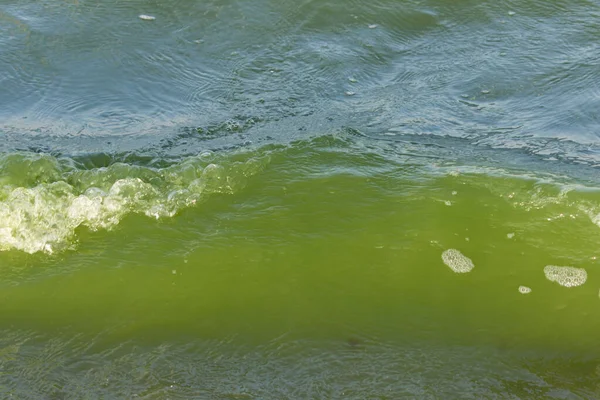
x,y
299,200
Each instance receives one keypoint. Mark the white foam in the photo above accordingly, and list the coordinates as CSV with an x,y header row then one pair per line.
x,y
565,276
44,218
147,17
457,261
524,290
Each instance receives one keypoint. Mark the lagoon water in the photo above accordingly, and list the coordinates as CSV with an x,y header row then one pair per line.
x,y
299,199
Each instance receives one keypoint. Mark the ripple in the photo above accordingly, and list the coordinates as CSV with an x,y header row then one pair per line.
x,y
225,368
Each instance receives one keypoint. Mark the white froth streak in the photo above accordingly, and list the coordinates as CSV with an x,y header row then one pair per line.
x,y
44,218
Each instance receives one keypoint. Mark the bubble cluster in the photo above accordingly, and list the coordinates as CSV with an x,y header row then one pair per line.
x,y
565,276
457,261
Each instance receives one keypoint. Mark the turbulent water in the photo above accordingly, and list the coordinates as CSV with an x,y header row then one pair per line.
x,y
308,199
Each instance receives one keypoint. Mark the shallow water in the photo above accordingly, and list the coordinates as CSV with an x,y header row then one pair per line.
x,y
299,199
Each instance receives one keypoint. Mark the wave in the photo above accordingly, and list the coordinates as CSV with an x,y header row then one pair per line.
x,y
44,199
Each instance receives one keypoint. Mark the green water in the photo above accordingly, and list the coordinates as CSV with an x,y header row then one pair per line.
x,y
299,199
319,275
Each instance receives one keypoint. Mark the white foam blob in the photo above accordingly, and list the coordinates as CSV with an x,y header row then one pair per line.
x,y
510,235
457,261
524,290
565,276
147,17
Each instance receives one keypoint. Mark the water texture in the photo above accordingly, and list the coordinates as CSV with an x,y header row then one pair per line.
x,y
299,200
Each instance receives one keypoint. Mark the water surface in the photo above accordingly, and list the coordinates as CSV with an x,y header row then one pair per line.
x,y
253,199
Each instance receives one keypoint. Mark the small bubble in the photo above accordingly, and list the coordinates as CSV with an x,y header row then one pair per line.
x,y
147,17
485,91
511,13
174,272
454,193
352,79
467,239
448,203
524,290
372,26
510,235
349,93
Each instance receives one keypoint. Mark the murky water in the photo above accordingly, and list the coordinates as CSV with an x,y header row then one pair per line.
x,y
299,199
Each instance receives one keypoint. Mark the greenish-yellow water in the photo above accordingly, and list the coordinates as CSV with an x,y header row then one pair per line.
x,y
299,199
320,274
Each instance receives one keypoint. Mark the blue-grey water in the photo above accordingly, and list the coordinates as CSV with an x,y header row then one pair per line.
x,y
255,199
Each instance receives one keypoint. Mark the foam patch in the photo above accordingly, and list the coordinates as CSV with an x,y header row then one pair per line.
x,y
565,276
457,261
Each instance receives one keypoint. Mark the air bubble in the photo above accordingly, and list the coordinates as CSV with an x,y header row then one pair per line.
x,y
147,17
457,261
565,276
